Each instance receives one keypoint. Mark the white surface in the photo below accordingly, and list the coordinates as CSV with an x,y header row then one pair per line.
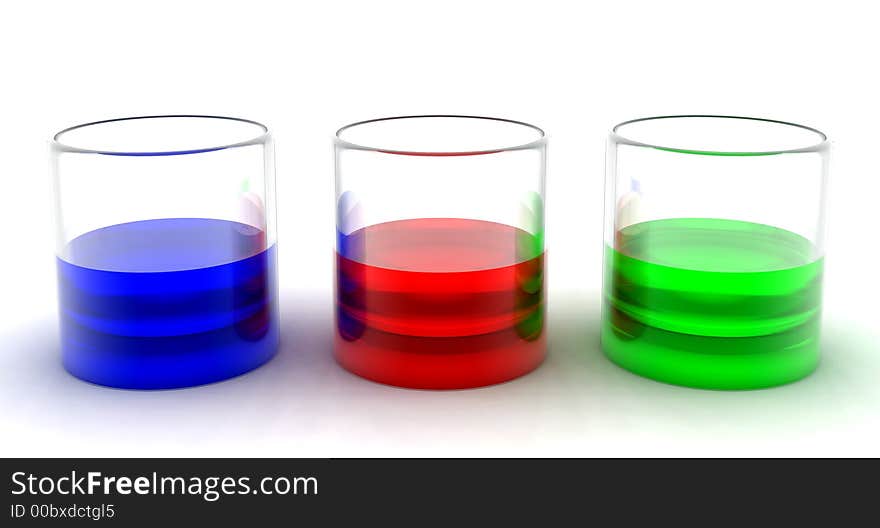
x,y
575,69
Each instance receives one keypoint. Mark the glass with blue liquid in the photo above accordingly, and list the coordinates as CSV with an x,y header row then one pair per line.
x,y
166,250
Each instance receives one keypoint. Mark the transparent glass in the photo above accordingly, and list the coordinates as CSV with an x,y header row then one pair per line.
x,y
440,250
166,249
714,235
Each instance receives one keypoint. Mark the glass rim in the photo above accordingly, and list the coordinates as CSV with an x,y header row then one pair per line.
x,y
542,137
58,144
815,147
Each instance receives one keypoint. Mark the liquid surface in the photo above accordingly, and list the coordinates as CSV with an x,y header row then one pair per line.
x,y
712,303
167,303
440,303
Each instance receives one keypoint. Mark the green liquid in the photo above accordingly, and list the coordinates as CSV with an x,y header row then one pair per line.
x,y
718,304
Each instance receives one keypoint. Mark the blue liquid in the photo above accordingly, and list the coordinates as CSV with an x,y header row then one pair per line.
x,y
167,303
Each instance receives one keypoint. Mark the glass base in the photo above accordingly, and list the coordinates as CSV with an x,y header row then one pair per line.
x,y
161,370
708,370
440,368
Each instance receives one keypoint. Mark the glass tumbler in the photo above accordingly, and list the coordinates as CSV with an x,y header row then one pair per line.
x,y
714,230
166,249
440,250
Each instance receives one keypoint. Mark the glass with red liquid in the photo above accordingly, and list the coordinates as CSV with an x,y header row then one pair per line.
x,y
440,250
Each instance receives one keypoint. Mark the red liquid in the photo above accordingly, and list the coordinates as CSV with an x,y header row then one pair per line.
x,y
441,304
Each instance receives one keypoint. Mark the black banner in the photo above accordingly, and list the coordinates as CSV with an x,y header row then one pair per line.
x,y
129,492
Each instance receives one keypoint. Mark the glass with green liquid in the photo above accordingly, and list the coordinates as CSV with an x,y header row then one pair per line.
x,y
713,250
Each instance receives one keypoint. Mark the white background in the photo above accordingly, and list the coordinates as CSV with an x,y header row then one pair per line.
x,y
573,68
